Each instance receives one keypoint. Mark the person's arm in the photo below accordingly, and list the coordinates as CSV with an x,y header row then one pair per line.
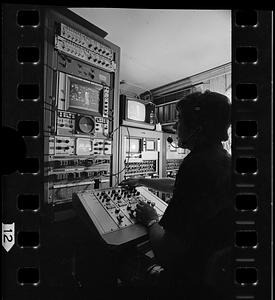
x,y
166,246
164,185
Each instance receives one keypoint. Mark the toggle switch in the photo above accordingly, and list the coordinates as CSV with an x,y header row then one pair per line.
x,y
91,75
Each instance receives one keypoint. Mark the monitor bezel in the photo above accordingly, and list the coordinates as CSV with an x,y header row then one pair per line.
x,y
81,110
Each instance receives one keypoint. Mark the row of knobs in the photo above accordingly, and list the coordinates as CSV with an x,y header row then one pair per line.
x,y
117,195
81,41
120,215
76,52
99,50
131,210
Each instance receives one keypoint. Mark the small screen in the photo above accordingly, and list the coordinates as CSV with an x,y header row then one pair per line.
x,y
83,146
150,145
84,95
134,145
136,111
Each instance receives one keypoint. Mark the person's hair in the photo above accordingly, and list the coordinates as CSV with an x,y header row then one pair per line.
x,y
210,111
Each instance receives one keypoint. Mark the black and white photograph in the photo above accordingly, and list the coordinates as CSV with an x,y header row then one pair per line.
x,y
129,114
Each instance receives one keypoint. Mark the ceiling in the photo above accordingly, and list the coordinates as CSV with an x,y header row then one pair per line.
x,y
160,46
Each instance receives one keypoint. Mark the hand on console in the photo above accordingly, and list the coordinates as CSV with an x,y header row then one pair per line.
x,y
145,213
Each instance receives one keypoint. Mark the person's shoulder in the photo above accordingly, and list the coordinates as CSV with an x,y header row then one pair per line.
x,y
194,160
223,158
190,168
205,161
218,155
188,163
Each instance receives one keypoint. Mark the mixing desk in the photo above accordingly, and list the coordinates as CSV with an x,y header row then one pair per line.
x,y
112,212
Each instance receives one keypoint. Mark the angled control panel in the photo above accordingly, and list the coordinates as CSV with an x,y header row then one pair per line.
x,y
112,212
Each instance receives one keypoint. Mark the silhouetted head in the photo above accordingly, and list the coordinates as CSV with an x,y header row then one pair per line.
x,y
203,117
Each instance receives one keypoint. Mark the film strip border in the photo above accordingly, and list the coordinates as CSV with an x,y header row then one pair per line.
x,y
251,153
23,233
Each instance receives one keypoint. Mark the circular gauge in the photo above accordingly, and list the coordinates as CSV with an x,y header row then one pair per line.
x,y
85,124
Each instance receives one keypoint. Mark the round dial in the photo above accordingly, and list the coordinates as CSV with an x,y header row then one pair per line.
x,y
86,124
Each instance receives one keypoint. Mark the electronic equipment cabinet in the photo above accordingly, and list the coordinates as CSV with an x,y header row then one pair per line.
x,y
81,102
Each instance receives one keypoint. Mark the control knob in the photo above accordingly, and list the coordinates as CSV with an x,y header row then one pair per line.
x,y
120,217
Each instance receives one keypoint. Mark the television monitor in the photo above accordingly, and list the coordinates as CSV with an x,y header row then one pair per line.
x,y
136,111
83,95
132,145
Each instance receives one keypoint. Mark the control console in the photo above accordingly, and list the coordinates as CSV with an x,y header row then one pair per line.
x,y
112,212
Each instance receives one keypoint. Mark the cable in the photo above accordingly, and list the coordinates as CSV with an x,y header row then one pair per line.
x,y
111,134
129,144
116,174
156,118
174,146
49,109
48,66
125,164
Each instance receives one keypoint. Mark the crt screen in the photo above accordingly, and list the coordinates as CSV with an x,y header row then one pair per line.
x,y
150,145
136,111
83,146
84,95
134,145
